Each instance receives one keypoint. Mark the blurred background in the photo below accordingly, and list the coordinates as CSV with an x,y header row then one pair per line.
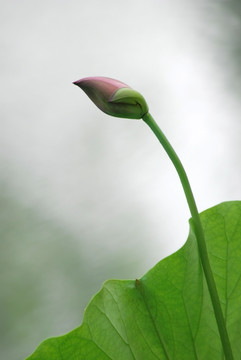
x,y
86,197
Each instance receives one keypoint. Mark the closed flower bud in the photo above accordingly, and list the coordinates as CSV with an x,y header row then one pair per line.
x,y
114,97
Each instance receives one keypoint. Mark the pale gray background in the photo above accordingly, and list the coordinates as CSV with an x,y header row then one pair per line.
x,y
86,197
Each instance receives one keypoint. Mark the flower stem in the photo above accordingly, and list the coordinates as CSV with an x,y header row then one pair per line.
x,y
198,232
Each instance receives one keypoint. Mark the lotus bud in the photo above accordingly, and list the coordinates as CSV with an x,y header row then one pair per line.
x,y
114,97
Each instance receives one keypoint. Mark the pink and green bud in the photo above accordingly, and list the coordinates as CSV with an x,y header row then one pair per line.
x,y
114,97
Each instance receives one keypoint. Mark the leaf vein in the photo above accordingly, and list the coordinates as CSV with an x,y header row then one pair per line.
x,y
153,322
128,343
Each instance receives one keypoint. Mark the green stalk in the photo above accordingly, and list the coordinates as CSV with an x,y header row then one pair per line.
x,y
198,232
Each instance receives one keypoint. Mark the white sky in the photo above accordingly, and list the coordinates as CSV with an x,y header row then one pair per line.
x,y
60,154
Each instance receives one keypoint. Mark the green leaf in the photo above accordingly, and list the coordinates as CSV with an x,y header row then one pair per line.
x,y
167,314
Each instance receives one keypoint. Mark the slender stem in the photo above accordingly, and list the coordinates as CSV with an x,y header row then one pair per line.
x,y
198,232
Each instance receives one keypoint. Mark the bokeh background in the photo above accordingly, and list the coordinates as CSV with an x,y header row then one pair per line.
x,y
85,197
